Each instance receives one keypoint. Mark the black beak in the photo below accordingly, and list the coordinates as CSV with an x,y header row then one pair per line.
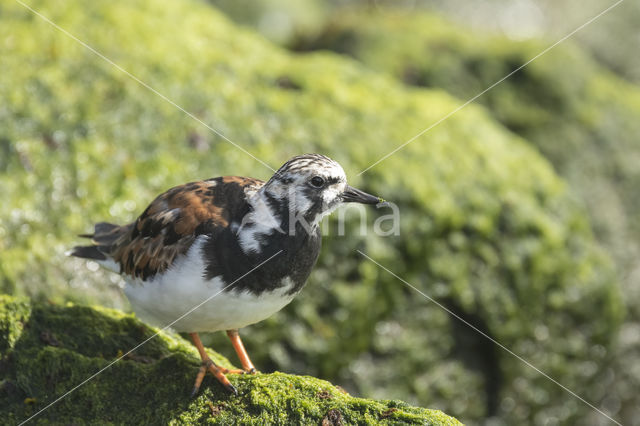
x,y
353,195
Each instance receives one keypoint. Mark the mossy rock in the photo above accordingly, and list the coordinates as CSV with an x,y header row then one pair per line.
x,y
49,349
581,116
487,228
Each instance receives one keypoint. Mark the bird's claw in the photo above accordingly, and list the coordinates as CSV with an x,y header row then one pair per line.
x,y
231,389
194,391
218,372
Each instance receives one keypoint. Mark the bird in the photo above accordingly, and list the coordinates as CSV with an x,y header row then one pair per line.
x,y
237,248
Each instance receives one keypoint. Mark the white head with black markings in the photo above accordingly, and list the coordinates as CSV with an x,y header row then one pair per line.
x,y
311,186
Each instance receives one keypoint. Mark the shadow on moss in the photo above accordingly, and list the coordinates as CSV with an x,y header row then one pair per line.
x,y
49,349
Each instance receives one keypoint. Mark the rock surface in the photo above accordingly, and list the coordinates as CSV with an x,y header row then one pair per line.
x,y
487,228
46,350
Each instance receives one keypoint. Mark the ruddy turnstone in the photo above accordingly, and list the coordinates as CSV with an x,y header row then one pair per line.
x,y
248,243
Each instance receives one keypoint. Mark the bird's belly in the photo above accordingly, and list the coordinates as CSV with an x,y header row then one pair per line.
x,y
181,298
207,309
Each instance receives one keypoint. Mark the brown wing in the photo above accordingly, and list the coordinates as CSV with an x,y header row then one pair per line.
x,y
171,223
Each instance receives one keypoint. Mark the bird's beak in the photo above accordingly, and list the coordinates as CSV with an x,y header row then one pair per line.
x,y
353,195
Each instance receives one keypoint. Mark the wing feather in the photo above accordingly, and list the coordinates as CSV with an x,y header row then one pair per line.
x,y
171,223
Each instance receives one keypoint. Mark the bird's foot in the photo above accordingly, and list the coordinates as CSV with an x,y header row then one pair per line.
x,y
219,373
247,365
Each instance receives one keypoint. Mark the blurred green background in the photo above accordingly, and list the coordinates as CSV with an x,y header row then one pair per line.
x,y
518,213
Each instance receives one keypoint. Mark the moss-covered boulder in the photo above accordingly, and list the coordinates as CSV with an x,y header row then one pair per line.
x,y
47,350
487,228
581,116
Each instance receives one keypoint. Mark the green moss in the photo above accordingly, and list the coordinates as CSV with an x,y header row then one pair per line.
x,y
13,314
487,227
581,116
61,347
578,114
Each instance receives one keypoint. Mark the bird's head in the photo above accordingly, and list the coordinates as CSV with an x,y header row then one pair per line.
x,y
312,186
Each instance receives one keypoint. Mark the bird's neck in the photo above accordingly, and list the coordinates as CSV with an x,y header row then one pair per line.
x,y
272,220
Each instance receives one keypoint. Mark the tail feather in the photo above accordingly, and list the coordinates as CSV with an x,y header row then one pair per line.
x,y
105,228
104,236
87,252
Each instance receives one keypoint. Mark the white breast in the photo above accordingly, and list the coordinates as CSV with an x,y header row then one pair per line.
x,y
173,294
260,222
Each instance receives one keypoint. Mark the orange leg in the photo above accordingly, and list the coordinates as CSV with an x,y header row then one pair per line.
x,y
247,365
216,370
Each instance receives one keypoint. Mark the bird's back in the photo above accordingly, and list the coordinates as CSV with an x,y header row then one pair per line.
x,y
169,226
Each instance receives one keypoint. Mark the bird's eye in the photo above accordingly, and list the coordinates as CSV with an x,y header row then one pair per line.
x,y
317,181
